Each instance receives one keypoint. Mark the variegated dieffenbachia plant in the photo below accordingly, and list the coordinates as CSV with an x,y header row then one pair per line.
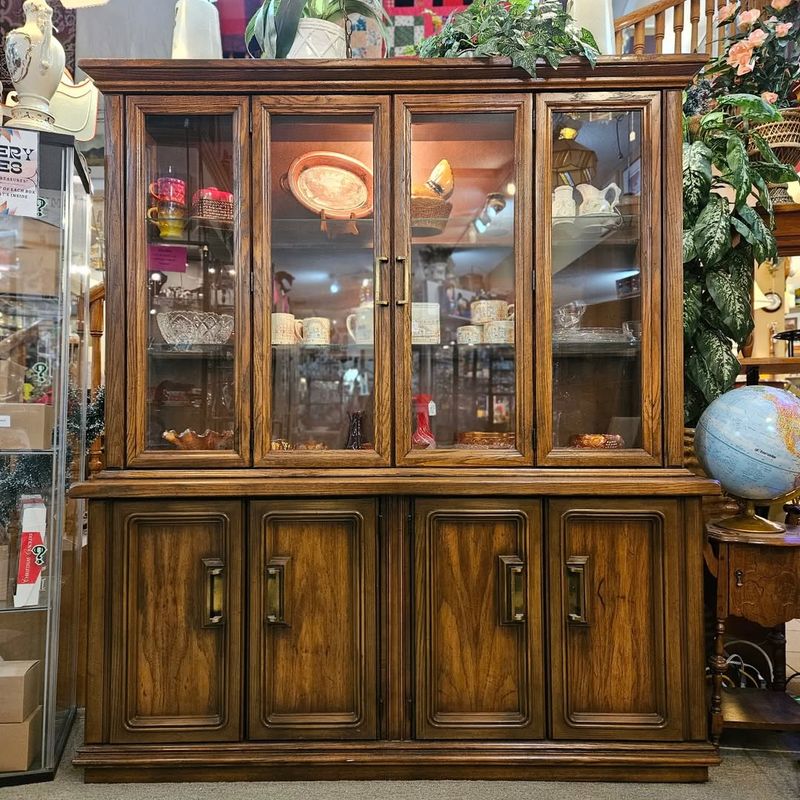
x,y
726,168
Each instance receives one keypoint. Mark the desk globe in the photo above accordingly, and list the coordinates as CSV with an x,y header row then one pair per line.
x,y
749,440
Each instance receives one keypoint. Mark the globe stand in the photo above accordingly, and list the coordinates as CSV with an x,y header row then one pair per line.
x,y
750,522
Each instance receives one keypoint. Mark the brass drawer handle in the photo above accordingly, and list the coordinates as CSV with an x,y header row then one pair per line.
x,y
739,575
276,591
512,588
214,592
379,262
576,590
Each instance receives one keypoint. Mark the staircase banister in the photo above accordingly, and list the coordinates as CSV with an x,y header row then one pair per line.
x,y
645,13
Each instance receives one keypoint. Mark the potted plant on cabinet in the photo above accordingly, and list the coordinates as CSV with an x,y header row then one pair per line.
x,y
518,30
762,58
308,28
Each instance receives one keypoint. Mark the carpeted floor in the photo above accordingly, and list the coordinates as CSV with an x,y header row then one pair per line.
x,y
754,767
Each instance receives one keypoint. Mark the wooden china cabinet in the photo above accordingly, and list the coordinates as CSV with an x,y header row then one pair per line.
x,y
394,434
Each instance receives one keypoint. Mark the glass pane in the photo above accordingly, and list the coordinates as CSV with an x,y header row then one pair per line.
x,y
323,282
597,313
40,423
191,282
462,281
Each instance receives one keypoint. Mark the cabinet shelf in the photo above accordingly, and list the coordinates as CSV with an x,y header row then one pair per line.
x,y
599,349
215,351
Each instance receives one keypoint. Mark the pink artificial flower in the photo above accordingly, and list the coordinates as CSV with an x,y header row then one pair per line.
x,y
779,5
769,97
726,12
741,56
747,18
782,29
757,37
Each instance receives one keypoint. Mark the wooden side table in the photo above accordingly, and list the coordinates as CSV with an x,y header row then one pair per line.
x,y
758,578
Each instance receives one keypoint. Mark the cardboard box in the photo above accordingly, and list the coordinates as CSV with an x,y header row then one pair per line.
x,y
26,426
20,689
30,257
12,379
21,742
32,557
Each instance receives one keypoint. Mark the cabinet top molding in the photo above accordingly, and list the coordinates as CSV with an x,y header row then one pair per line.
x,y
266,76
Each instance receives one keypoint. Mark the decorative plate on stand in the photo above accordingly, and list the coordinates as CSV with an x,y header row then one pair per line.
x,y
331,184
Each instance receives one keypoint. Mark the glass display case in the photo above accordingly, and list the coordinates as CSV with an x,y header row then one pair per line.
x,y
44,243
462,288
599,341
429,283
190,247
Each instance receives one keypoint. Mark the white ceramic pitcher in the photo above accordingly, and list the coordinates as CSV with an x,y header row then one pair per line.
x,y
596,201
35,60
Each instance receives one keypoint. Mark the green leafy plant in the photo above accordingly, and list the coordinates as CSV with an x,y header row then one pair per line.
x,y
726,166
274,26
518,30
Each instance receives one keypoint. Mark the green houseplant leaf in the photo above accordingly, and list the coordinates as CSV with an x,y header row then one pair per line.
x,y
696,174
712,231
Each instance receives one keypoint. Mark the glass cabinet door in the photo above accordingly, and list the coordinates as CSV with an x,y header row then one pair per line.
x,y
598,256
189,305
322,389
462,280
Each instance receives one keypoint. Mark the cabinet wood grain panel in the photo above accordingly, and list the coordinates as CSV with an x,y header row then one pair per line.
x,y
313,641
616,616
176,664
764,583
478,675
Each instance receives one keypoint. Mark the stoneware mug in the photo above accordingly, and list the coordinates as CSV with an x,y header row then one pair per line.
x,y
469,334
285,329
425,323
483,311
315,330
499,331
361,324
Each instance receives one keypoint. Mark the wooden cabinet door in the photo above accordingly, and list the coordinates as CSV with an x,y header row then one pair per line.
x,y
313,647
177,621
615,619
479,642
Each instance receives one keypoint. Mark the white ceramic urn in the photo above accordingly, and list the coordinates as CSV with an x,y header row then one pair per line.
x,y
35,60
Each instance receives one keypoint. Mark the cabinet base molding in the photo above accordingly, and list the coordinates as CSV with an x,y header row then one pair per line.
x,y
628,762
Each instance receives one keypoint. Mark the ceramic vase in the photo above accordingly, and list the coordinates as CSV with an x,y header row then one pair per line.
x,y
318,38
35,60
423,438
196,33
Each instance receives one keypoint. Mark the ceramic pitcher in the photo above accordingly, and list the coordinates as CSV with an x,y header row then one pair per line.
x,y
35,60
596,201
563,202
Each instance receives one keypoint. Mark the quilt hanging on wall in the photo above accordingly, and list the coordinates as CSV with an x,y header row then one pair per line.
x,y
412,20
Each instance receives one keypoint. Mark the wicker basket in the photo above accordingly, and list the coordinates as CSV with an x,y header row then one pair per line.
x,y
783,137
429,215
215,210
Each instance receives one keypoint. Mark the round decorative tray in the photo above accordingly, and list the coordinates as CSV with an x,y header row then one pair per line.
x,y
333,184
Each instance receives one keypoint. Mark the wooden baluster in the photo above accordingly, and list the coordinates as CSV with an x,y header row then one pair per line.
x,y
695,21
618,41
710,37
677,26
660,21
638,38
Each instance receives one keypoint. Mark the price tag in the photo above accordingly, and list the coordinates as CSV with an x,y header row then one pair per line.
x,y
431,409
5,420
